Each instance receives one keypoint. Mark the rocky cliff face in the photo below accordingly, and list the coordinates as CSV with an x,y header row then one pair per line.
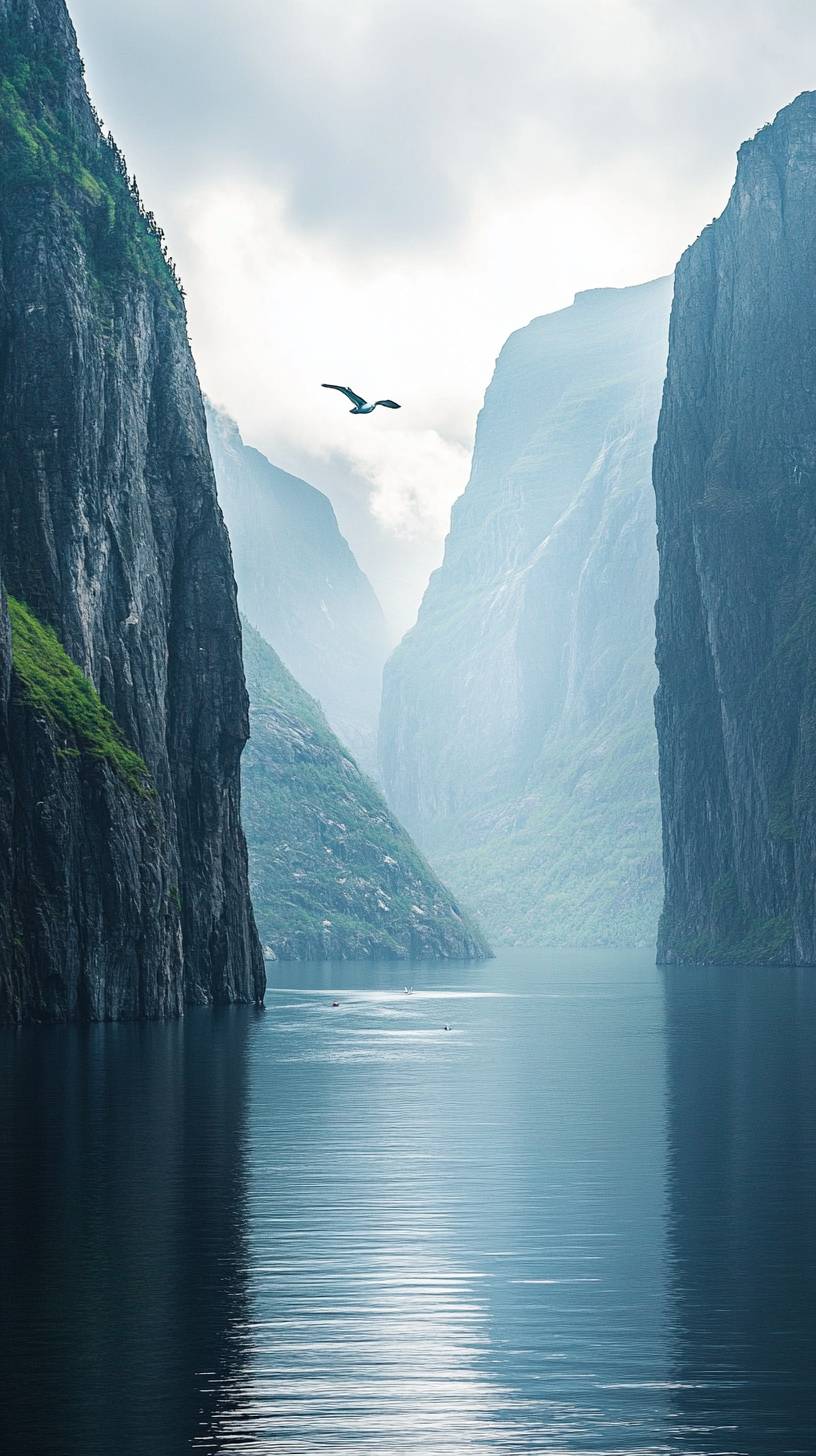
x,y
7,931
125,890
517,737
334,876
735,478
299,583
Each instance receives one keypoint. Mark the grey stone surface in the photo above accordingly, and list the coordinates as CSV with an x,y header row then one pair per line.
x,y
110,531
735,480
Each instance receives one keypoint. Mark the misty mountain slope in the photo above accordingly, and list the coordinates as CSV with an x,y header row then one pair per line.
x,y
333,874
735,481
123,710
517,737
299,582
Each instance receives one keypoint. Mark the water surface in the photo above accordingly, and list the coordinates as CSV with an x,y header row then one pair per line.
x,y
580,1220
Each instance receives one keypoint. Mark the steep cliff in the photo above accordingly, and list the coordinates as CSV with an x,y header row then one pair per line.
x,y
334,876
299,582
517,737
124,866
735,479
7,930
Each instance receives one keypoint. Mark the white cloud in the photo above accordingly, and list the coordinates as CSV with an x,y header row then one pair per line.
x,y
416,476
378,194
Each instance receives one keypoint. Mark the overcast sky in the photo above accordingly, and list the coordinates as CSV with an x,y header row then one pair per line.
x,y
377,192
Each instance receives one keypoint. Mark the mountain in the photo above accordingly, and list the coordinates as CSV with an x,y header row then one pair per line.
x,y
123,710
334,876
517,736
299,583
735,480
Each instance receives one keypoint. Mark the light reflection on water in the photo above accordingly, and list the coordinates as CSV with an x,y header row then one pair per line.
x,y
581,1220
449,1211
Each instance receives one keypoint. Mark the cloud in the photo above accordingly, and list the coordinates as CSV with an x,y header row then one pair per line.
x,y
385,123
380,193
414,471
416,475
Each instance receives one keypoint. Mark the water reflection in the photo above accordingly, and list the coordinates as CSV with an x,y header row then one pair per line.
x,y
741,1062
456,1237
123,1231
581,1221
366,1330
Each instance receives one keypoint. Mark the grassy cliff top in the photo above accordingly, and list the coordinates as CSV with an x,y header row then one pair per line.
x,y
51,143
53,684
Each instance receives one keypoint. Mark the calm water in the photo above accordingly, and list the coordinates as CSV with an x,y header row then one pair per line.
x,y
582,1220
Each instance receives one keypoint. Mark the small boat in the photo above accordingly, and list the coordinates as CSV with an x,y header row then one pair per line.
x,y
409,990
335,1003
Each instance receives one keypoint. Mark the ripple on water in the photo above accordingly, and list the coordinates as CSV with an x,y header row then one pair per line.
x,y
578,1222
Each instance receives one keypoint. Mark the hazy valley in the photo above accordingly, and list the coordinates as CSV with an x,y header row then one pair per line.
x,y
517,733
407,1049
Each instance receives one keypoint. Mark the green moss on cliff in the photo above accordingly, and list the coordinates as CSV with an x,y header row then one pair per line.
x,y
332,872
747,942
574,859
781,819
44,149
53,684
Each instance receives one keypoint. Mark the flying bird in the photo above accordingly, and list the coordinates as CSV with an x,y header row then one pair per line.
x,y
361,406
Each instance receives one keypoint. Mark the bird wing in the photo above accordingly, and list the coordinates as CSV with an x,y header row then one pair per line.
x,y
389,403
349,393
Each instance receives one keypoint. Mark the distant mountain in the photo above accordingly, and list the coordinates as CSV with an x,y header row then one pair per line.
x,y
333,874
517,736
735,480
299,583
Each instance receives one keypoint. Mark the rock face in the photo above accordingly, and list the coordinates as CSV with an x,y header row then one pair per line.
x,y
517,736
735,479
120,897
299,583
7,931
333,874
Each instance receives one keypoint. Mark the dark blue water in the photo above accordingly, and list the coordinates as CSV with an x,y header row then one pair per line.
x,y
581,1220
